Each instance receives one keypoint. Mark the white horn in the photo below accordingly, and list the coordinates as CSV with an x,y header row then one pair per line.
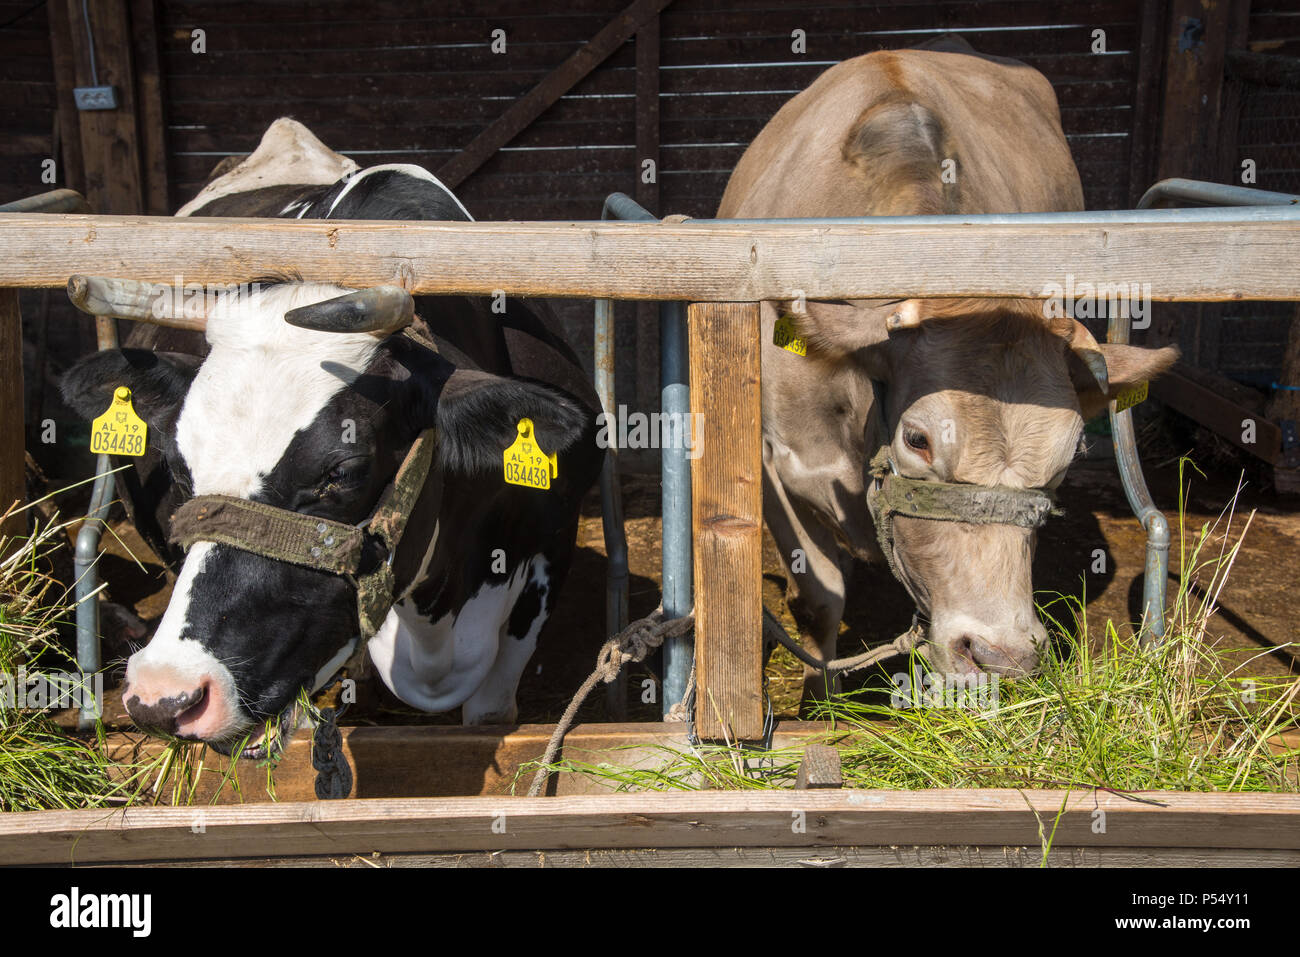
x,y
157,303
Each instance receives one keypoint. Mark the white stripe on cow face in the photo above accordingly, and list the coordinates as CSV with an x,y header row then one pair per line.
x,y
172,664
263,381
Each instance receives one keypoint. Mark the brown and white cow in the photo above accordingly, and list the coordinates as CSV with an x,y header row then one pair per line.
x,y
988,393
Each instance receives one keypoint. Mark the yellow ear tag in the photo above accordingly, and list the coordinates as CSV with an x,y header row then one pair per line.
x,y
1131,397
783,336
525,463
119,431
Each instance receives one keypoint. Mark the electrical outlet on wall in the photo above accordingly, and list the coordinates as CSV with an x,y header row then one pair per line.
x,y
95,97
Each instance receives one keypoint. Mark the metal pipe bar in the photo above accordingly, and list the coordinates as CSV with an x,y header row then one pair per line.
x,y
611,494
1263,210
1223,195
675,473
89,653
675,476
1155,573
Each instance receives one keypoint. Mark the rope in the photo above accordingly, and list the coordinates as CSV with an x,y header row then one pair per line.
x,y
333,775
902,645
633,643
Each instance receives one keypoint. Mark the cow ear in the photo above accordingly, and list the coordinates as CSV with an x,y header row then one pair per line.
x,y
842,328
478,416
158,385
1127,366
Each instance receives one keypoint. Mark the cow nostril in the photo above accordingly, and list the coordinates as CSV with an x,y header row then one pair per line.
x,y
995,659
164,714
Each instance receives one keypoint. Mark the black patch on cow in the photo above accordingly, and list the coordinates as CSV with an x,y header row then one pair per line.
x,y
387,194
478,415
526,609
267,201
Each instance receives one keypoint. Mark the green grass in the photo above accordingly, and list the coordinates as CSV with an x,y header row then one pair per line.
x,y
42,766
1102,712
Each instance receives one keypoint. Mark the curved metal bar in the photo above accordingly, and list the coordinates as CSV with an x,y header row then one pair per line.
x,y
1212,194
675,472
618,206
89,653
1224,197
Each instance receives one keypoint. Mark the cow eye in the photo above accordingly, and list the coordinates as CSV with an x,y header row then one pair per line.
x,y
343,474
916,440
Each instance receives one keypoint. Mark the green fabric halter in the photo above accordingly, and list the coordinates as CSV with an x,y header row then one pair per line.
x,y
320,543
892,494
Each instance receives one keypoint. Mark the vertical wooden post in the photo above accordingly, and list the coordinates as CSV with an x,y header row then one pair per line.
x,y
727,518
71,172
1146,102
1196,45
13,447
150,123
110,143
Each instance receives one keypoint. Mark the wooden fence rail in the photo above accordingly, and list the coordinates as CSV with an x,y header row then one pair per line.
x,y
719,819
694,262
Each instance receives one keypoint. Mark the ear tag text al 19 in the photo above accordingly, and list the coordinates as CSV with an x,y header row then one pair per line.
x,y
119,431
525,463
784,337
1131,397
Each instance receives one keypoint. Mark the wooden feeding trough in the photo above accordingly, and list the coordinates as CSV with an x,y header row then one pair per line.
x,y
724,270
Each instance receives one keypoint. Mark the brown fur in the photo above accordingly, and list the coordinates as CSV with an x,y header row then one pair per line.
x,y
991,386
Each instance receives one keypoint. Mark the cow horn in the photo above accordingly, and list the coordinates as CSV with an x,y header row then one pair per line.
x,y
133,299
908,315
1083,345
379,311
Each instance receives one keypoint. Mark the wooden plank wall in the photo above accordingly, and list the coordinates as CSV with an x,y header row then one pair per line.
x,y
385,86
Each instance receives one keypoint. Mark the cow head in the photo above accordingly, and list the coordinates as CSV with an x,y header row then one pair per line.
x,y
981,394
317,421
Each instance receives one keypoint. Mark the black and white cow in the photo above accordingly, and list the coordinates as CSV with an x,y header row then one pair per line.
x,y
318,422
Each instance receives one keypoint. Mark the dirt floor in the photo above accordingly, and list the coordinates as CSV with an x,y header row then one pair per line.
x,y
1255,613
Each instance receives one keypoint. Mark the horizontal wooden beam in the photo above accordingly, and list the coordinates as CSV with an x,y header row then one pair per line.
x,y
1244,427
701,262
825,818
441,760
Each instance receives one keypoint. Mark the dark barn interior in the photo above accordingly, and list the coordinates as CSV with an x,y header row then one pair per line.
x,y
578,100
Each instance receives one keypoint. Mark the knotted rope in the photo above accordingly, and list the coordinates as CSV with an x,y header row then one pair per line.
x,y
633,643
902,645
333,775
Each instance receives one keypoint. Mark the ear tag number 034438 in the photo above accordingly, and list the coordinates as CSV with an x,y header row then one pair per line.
x,y
525,463
119,431
1131,397
784,337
